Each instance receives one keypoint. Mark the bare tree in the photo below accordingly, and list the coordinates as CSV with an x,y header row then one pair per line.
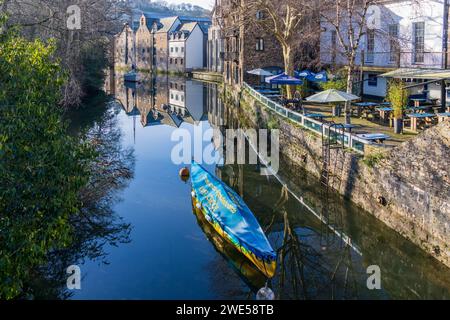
x,y
290,22
349,19
49,19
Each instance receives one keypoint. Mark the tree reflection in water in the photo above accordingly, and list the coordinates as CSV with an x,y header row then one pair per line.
x,y
329,261
97,226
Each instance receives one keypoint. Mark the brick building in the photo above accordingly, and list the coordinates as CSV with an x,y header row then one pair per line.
x,y
124,54
246,45
145,42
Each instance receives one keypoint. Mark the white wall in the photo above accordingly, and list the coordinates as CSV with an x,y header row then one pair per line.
x,y
195,49
176,48
379,90
195,99
403,13
177,98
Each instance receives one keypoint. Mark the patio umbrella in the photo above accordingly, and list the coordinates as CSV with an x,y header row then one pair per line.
x,y
332,95
303,74
318,77
260,72
311,76
284,79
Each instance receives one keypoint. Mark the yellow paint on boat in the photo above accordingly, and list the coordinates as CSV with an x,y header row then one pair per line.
x,y
267,268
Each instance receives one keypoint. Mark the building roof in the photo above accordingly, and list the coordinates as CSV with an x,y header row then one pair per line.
x,y
409,73
167,24
187,27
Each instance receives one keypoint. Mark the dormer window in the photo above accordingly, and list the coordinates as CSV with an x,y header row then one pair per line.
x,y
259,44
259,15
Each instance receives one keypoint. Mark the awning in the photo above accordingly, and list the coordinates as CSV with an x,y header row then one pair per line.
x,y
425,74
284,79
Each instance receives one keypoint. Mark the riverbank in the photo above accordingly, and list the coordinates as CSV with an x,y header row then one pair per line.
x,y
407,187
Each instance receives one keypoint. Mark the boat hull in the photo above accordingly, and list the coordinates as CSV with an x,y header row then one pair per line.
x,y
246,270
266,267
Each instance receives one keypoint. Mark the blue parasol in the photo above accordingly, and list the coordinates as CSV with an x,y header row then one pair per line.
x,y
284,79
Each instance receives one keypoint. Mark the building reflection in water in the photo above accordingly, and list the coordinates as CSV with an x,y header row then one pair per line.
x,y
314,262
161,100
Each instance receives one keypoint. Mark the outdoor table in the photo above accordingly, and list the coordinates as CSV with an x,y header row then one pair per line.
x,y
416,116
418,101
384,112
433,101
268,91
420,108
316,115
293,101
443,116
377,137
349,127
364,105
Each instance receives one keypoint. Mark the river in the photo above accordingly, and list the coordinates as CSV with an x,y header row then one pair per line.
x,y
173,254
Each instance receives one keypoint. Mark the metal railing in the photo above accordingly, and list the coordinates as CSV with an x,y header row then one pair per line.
x,y
350,141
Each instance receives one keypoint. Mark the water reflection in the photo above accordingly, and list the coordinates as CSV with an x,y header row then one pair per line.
x,y
317,260
97,226
162,100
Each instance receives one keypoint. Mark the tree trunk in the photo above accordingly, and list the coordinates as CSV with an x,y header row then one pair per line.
x,y
347,107
288,68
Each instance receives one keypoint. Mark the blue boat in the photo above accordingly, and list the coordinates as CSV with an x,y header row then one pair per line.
x,y
232,219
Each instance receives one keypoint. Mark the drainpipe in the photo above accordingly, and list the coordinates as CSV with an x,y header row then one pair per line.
x,y
445,35
445,53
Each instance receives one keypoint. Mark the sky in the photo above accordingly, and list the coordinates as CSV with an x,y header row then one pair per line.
x,y
208,4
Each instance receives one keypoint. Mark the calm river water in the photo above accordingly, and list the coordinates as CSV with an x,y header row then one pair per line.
x,y
172,254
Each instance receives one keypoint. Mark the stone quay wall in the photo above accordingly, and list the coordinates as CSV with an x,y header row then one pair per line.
x,y
407,187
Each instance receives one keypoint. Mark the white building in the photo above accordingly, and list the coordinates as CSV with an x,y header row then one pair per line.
x,y
187,100
187,48
406,35
215,48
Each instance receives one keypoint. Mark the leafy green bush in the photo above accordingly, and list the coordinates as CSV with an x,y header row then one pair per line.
x,y
42,168
373,159
398,97
338,83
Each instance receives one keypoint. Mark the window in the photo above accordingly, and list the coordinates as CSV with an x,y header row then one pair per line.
x,y
182,49
370,46
259,15
259,44
171,49
176,49
333,46
176,61
372,80
181,61
419,42
170,60
393,44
